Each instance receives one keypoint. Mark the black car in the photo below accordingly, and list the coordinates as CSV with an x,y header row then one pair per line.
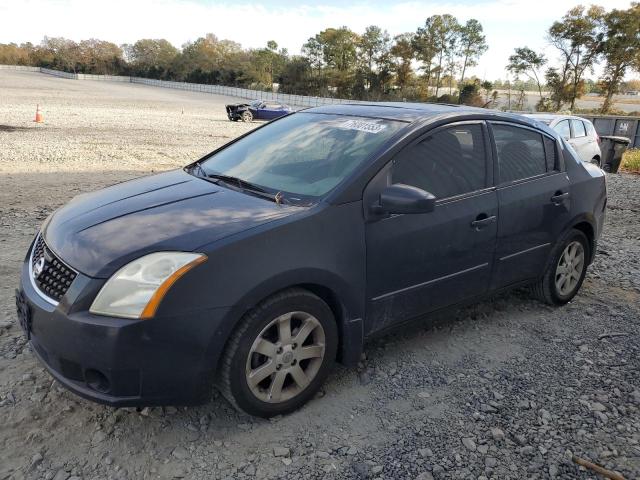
x,y
256,110
258,266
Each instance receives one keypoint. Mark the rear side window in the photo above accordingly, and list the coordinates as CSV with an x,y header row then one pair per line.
x,y
563,129
521,153
591,131
448,162
578,128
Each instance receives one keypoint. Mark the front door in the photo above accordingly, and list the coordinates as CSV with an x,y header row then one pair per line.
x,y
533,194
417,263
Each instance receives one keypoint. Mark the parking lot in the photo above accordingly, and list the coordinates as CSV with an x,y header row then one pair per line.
x,y
505,389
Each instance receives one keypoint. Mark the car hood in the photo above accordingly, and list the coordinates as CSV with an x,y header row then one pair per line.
x,y
97,233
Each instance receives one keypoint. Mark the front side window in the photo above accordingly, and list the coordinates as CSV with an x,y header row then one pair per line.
x,y
446,163
563,129
302,156
578,128
521,153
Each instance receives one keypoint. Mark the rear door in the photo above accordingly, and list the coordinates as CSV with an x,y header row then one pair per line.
x,y
580,140
593,142
534,201
421,262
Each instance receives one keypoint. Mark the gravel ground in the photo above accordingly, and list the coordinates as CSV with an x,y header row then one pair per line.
x,y
106,126
505,389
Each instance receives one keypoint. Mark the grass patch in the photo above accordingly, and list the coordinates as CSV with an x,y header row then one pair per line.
x,y
631,161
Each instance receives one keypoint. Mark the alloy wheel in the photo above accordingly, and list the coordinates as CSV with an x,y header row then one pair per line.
x,y
569,269
285,357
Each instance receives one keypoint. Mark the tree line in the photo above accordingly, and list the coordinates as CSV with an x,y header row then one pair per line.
x,y
583,38
429,64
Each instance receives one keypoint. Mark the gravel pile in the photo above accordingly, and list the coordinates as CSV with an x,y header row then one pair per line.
x,y
505,389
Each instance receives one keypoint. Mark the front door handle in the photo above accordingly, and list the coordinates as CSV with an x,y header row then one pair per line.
x,y
483,221
558,198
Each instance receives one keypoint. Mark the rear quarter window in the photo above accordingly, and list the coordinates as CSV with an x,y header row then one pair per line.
x,y
551,154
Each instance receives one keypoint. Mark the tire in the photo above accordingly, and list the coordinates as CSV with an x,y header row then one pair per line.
x,y
551,288
247,116
258,358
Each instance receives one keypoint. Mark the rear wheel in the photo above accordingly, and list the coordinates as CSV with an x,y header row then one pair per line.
x,y
280,354
566,269
247,116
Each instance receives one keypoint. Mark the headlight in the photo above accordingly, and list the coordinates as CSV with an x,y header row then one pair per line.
x,y
135,291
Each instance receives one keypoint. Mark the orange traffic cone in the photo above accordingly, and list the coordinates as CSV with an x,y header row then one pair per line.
x,y
39,117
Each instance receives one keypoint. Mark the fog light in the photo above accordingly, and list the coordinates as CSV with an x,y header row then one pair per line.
x,y
96,380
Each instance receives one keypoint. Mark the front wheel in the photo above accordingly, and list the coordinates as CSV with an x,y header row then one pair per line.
x,y
280,354
247,116
566,269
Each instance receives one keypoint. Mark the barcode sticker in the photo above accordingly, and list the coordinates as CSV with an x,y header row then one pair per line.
x,y
363,126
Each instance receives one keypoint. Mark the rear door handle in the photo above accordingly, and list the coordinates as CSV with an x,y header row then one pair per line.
x,y
558,198
482,221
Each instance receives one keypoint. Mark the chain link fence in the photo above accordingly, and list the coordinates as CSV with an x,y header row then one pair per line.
x,y
246,93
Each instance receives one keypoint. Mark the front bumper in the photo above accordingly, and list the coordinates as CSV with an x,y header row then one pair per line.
x,y
166,360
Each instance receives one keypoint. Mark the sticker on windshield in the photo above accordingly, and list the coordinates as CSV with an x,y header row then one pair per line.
x,y
363,126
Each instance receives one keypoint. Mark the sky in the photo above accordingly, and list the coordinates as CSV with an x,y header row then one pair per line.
x,y
507,23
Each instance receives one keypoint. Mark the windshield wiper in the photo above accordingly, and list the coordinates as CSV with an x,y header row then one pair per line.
x,y
247,186
243,184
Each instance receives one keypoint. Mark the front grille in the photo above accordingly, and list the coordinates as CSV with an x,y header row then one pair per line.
x,y
52,277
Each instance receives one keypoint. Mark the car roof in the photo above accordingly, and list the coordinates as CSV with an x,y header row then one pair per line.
x,y
549,117
403,111
412,112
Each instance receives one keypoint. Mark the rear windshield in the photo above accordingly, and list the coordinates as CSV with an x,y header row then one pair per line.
x,y
304,155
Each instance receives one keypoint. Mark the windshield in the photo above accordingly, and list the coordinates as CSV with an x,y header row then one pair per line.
x,y
302,156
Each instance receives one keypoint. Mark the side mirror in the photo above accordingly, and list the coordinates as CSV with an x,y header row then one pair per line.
x,y
401,198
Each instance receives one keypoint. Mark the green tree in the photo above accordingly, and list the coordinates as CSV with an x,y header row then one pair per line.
x,y
402,54
373,47
578,37
447,30
425,47
60,53
210,60
151,57
620,49
297,77
338,56
264,65
528,62
100,57
473,44
434,43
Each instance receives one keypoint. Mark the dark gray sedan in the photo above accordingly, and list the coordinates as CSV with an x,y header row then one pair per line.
x,y
257,267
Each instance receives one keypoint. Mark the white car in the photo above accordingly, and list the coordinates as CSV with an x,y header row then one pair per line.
x,y
578,132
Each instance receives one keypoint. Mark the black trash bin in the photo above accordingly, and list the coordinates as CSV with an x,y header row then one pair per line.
x,y
612,150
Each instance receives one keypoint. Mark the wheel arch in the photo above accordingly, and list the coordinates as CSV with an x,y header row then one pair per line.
x,y
339,296
586,226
